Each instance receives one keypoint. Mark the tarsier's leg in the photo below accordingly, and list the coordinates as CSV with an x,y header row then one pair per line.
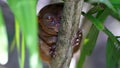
x,y
76,44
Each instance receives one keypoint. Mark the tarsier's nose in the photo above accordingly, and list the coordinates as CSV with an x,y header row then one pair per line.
x,y
57,27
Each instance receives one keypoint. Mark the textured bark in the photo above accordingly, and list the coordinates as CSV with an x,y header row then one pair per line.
x,y
56,1
69,26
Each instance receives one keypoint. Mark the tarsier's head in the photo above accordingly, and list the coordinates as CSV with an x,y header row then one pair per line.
x,y
50,17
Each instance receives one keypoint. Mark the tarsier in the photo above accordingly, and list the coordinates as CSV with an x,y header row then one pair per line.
x,y
49,20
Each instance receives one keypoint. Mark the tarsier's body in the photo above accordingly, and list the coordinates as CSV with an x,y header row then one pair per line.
x,y
49,19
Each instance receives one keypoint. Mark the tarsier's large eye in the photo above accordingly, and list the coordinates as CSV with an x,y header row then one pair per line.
x,y
49,18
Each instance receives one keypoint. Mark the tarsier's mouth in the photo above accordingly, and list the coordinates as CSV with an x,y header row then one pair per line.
x,y
56,28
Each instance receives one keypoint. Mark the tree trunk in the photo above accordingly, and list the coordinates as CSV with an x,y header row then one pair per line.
x,y
69,26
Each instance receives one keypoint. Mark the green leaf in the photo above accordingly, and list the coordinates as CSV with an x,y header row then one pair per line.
x,y
115,15
112,54
95,9
3,41
116,3
103,14
22,53
17,35
90,40
96,22
114,8
112,37
88,45
113,5
108,3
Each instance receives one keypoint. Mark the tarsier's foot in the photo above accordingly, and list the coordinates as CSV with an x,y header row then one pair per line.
x,y
52,51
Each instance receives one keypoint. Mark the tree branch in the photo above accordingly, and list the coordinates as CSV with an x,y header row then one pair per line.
x,y
69,26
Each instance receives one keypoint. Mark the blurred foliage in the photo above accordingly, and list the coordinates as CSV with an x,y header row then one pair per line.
x,y
3,41
112,54
26,24
97,15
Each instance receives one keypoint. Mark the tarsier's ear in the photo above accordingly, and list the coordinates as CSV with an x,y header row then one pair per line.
x,y
38,18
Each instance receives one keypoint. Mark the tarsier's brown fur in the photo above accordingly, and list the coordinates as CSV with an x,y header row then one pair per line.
x,y
49,19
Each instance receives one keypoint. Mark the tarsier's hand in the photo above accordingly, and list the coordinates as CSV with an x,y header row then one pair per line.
x,y
77,41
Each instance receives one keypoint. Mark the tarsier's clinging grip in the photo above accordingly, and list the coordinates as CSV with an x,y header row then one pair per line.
x,y
49,19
